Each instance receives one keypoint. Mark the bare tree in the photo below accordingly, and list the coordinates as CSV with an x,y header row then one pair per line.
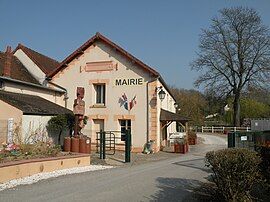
x,y
234,53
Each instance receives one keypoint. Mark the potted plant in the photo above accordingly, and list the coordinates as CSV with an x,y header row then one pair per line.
x,y
181,145
192,138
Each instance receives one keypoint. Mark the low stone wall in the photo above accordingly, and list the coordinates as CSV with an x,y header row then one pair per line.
x,y
24,168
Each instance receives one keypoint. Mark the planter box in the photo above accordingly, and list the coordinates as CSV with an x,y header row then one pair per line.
x,y
19,169
177,148
192,141
181,148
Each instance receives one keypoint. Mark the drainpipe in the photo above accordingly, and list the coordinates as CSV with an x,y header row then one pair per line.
x,y
62,88
147,108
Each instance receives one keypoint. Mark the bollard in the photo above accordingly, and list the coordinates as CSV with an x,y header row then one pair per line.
x,y
127,146
82,143
67,144
75,145
88,145
104,144
100,144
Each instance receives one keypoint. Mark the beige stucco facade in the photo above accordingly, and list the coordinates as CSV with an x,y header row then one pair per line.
x,y
8,112
47,94
22,125
101,64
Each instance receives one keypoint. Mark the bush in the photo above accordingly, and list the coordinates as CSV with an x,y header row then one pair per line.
x,y
235,172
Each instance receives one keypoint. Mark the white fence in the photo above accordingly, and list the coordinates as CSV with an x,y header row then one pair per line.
x,y
221,129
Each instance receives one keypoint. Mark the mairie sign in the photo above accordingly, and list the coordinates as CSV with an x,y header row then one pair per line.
x,y
128,82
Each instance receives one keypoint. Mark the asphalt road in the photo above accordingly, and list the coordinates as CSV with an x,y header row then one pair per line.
x,y
166,180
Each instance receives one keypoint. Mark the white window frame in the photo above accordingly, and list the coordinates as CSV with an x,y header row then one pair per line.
x,y
102,93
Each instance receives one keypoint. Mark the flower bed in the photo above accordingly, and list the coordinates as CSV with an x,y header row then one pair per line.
x,y
16,152
21,160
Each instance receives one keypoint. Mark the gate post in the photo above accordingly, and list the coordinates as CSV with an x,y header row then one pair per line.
x,y
127,146
100,144
104,144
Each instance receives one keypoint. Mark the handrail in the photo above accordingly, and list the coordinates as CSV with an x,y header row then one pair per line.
x,y
222,129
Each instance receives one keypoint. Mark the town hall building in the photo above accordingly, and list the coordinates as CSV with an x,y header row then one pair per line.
x,y
121,92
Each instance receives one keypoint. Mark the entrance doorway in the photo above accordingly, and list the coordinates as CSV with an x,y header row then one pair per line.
x,y
98,124
125,124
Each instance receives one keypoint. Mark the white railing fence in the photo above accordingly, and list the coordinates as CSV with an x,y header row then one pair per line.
x,y
222,129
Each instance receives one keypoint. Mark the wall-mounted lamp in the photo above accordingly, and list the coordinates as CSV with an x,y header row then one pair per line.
x,y
177,106
161,93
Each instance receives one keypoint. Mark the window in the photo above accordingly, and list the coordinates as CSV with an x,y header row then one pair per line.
x,y
125,125
100,93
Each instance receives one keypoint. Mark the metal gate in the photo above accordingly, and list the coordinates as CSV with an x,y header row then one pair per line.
x,y
111,138
107,140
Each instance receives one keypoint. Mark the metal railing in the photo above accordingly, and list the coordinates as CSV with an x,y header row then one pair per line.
x,y
222,129
112,138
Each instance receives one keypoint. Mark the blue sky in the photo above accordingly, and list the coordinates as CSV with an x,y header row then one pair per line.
x,y
163,34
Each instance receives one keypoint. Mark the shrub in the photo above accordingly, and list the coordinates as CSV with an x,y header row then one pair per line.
x,y
235,172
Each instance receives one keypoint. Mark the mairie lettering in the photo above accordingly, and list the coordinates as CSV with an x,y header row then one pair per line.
x,y
129,82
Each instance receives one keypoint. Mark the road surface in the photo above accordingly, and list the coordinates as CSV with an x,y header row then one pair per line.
x,y
166,180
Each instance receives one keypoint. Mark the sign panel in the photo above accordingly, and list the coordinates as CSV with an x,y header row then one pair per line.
x,y
243,138
10,131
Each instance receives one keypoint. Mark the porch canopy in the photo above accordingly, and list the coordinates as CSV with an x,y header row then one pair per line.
x,y
167,117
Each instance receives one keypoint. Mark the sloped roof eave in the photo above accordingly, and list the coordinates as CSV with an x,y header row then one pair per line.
x,y
166,115
88,43
36,57
32,105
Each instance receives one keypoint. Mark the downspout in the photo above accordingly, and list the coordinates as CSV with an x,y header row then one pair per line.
x,y
62,88
147,107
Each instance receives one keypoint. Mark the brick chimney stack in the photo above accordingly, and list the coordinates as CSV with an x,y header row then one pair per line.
x,y
7,65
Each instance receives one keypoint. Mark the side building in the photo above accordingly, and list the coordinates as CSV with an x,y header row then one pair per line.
x,y
25,102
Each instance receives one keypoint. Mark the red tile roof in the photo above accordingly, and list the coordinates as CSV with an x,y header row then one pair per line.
x,y
45,63
18,71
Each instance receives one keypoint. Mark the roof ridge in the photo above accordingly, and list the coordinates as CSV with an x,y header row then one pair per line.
x,y
23,46
29,52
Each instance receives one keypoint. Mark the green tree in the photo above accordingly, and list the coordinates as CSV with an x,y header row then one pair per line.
x,y
60,123
234,53
192,104
250,108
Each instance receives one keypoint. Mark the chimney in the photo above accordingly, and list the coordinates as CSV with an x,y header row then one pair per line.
x,y
7,65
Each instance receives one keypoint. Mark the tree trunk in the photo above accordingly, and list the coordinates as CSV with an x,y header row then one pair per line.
x,y
59,137
236,110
